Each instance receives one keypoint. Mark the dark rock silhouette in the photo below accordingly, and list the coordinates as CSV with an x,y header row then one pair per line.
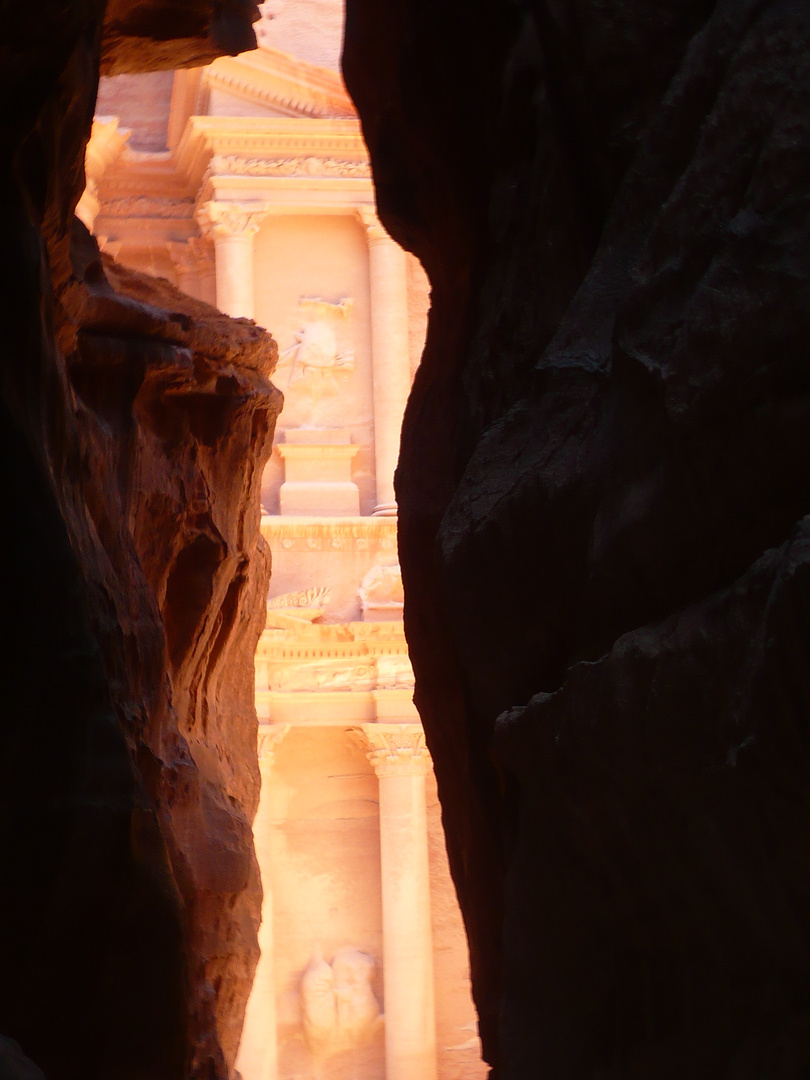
x,y
134,424
602,489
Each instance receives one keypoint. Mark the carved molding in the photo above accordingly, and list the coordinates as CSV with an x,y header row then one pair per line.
x,y
397,749
147,206
219,219
360,534
235,165
270,735
281,82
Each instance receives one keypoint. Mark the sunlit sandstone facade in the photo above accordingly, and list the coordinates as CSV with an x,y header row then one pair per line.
x,y
261,201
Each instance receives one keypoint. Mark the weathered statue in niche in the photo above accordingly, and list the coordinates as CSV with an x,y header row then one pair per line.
x,y
338,1005
316,357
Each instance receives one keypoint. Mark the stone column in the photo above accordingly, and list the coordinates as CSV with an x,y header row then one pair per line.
x,y
389,352
258,1050
400,760
232,226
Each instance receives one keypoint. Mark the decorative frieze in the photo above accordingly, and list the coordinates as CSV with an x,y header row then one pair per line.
x,y
358,534
147,206
234,165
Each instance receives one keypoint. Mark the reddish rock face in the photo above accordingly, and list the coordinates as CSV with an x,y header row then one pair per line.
x,y
154,35
602,487
134,426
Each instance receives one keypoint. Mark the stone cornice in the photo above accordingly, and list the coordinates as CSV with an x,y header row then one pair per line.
x,y
241,159
244,146
278,81
339,657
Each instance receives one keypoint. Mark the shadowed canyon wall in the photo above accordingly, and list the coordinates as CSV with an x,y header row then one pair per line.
x,y
602,489
134,426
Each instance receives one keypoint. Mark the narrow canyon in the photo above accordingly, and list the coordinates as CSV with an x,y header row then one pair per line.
x,y
602,494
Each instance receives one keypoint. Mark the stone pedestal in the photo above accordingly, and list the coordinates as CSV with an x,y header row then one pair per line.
x,y
388,277
232,226
258,1054
318,473
401,760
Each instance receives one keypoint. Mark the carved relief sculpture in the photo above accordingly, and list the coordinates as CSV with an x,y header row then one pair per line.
x,y
381,590
338,1006
315,355
294,609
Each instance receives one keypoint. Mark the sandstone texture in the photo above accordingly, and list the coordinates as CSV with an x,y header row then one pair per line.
x,y
153,35
135,423
603,486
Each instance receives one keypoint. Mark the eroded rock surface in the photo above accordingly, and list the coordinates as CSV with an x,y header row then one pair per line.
x,y
134,424
602,493
154,35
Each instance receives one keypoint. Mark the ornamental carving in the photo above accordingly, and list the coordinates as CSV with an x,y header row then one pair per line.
x,y
317,357
144,206
324,675
397,749
394,672
338,1008
381,590
270,735
290,610
234,165
219,219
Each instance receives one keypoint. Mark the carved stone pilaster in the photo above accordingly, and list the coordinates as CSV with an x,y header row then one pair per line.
x,y
270,735
397,749
391,373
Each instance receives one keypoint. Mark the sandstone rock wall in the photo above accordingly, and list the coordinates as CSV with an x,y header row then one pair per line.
x,y
602,492
134,426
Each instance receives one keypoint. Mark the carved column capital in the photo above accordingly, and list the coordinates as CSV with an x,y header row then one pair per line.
x,y
270,735
372,224
397,749
225,219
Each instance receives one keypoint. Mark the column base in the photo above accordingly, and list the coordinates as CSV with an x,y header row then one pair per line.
x,y
385,510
